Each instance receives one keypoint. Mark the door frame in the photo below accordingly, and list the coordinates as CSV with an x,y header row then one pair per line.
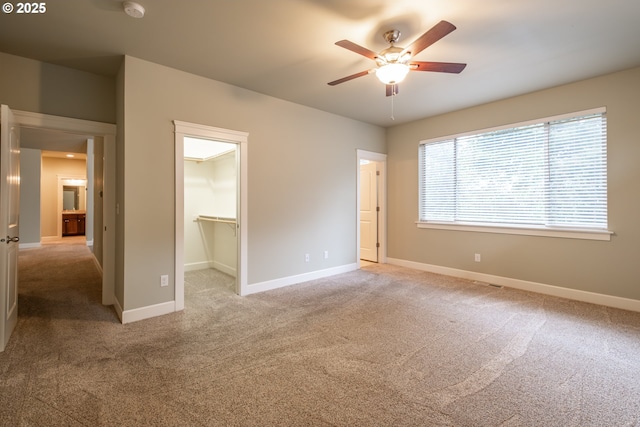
x,y
107,131
239,138
381,159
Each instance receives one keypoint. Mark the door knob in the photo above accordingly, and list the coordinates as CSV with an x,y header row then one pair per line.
x,y
12,239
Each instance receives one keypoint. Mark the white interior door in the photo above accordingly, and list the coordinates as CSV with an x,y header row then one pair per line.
x,y
9,215
368,212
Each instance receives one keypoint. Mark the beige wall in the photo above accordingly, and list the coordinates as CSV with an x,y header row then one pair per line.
x,y
38,87
52,168
301,177
308,205
610,268
30,170
34,86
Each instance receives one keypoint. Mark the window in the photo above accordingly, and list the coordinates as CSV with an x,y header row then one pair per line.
x,y
546,175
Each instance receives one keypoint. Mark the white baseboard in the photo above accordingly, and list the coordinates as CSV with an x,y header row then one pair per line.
x,y
224,268
48,239
29,245
142,313
541,288
204,265
293,280
197,266
129,316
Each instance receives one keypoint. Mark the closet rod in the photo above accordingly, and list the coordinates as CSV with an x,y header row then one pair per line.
x,y
216,219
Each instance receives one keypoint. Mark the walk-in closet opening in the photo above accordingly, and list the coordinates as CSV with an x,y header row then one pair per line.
x,y
208,204
211,212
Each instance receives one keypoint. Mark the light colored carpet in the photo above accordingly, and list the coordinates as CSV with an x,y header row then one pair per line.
x,y
382,346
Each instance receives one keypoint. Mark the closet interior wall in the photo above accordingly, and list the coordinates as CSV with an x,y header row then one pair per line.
x,y
210,201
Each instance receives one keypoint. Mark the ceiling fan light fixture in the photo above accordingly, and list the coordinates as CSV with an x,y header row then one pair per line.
x,y
391,74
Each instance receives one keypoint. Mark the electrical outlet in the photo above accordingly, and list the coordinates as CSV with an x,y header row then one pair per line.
x,y
478,258
326,254
164,280
307,258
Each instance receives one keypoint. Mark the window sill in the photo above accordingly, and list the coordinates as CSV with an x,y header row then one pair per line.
x,y
565,233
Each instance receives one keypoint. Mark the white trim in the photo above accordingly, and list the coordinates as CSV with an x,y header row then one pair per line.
x,y
179,220
210,132
297,279
142,313
227,269
195,266
540,288
216,265
382,218
29,245
183,129
524,231
67,124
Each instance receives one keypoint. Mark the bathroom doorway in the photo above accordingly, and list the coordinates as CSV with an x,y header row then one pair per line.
x,y
371,201
369,210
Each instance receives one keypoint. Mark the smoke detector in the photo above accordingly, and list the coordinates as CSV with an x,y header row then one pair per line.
x,y
133,9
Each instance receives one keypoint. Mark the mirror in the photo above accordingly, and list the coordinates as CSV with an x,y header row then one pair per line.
x,y
73,197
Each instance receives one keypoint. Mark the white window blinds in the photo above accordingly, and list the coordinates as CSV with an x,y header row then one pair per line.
x,y
550,174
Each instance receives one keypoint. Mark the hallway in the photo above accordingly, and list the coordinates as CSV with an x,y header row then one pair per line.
x,y
60,280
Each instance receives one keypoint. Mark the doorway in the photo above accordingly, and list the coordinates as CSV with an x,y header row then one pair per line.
x,y
369,210
183,132
50,133
210,210
73,213
371,207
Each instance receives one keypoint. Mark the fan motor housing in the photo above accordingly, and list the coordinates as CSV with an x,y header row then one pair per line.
x,y
392,36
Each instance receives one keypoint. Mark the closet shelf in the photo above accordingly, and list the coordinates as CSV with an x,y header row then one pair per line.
x,y
216,219
231,222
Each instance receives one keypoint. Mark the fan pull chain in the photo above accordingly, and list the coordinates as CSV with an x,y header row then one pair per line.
x,y
393,95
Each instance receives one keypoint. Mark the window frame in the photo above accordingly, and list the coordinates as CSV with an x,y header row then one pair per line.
x,y
527,230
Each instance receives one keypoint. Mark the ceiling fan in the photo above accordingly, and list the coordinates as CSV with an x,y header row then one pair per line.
x,y
394,63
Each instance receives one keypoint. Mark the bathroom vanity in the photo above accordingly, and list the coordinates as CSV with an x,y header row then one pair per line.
x,y
73,223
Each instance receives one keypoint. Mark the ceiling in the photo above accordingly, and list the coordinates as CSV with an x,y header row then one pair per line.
x,y
285,48
54,143
201,150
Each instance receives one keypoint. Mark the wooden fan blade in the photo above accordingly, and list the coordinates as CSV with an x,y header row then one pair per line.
x,y
392,89
440,67
351,77
357,49
437,32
